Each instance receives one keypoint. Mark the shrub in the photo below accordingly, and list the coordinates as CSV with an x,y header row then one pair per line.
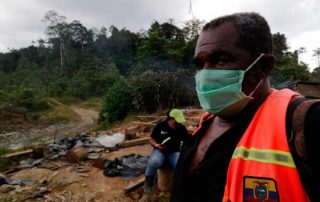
x,y
117,103
153,90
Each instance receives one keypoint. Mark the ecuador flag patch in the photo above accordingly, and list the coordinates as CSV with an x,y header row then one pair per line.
x,y
257,189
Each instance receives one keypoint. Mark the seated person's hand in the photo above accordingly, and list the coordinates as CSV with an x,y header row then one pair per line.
x,y
160,146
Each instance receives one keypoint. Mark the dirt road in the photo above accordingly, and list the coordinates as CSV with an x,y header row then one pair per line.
x,y
21,138
88,116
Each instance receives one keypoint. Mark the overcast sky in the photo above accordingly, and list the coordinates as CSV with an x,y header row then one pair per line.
x,y
20,20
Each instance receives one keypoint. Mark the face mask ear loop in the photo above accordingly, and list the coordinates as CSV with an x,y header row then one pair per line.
x,y
254,62
255,89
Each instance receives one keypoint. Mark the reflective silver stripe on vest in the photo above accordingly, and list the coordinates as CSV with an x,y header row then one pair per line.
x,y
264,156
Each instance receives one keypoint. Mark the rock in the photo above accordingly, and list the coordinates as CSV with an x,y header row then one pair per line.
x,y
83,175
20,189
93,134
80,169
93,156
99,163
83,185
135,196
77,154
6,188
38,153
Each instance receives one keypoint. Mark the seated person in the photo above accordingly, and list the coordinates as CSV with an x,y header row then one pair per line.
x,y
166,140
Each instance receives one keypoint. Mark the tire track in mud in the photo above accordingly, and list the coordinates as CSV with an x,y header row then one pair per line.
x,y
21,138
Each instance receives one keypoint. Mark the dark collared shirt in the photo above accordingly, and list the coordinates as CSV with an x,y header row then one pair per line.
x,y
162,131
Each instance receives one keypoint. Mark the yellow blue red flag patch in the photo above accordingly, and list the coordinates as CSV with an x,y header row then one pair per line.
x,y
257,189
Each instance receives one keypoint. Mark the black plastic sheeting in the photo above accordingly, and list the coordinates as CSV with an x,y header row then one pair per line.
x,y
128,166
21,182
30,163
62,146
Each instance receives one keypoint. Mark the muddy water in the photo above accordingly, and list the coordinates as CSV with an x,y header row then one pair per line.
x,y
20,138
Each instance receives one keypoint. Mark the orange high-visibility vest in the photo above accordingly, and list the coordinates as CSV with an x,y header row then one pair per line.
x,y
262,168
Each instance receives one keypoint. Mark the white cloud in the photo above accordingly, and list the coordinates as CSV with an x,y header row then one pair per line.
x,y
308,39
297,19
132,14
20,20
20,23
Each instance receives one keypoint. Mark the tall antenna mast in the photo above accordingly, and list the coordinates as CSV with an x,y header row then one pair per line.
x,y
190,9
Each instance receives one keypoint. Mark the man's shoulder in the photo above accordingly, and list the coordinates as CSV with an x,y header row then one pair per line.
x,y
182,127
161,126
309,103
313,111
161,123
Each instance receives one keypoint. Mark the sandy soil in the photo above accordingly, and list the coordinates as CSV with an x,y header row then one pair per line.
x,y
66,185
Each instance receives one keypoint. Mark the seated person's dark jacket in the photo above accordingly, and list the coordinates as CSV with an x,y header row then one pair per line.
x,y
162,131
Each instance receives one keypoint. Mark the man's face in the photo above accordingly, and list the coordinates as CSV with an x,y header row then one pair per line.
x,y
173,123
217,49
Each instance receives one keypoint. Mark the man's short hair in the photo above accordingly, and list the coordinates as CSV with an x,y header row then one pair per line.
x,y
253,29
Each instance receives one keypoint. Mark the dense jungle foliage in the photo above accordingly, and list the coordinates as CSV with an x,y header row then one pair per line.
x,y
133,71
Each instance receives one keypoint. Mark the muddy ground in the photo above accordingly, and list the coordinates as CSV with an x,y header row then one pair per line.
x,y
23,134
60,182
65,184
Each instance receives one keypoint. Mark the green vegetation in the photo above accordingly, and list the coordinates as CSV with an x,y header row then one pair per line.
x,y
93,103
3,151
117,102
131,72
10,198
60,115
4,162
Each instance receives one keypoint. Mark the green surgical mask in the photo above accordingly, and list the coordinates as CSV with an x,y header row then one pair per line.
x,y
220,91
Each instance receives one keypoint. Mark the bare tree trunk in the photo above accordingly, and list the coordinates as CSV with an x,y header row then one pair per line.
x,y
82,47
316,53
61,52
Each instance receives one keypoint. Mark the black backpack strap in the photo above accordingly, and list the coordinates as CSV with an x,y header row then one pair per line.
x,y
296,114
295,119
298,123
291,108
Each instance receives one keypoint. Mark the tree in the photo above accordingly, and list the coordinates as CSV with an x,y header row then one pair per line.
x,y
93,78
9,61
101,43
117,102
315,75
288,68
141,71
280,45
58,28
192,29
121,46
80,34
164,42
316,53
154,46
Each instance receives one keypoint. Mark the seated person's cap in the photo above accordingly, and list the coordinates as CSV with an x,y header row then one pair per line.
x,y
177,115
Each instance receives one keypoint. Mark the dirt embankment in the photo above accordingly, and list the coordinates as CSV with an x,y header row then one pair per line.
x,y
23,136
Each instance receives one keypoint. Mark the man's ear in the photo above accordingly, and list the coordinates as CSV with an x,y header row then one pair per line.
x,y
267,63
